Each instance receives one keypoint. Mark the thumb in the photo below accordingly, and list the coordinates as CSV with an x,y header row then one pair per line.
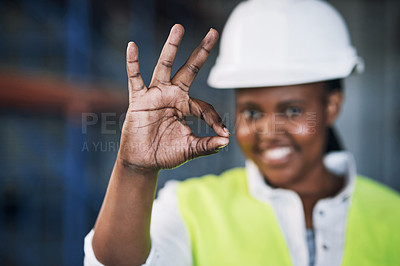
x,y
206,145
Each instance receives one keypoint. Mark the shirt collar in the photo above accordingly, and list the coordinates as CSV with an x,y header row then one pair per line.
x,y
340,163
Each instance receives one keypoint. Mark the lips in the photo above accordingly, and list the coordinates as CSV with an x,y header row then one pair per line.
x,y
277,155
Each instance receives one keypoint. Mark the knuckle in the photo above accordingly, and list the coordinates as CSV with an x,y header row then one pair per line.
x,y
183,86
193,68
205,49
191,153
167,63
204,145
134,75
173,44
138,88
201,115
208,143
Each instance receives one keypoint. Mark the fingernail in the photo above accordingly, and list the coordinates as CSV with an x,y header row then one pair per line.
x,y
226,130
223,144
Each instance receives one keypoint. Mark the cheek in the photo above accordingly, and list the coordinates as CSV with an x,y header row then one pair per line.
x,y
309,130
307,124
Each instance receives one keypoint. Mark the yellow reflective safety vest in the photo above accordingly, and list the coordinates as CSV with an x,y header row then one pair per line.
x,y
227,226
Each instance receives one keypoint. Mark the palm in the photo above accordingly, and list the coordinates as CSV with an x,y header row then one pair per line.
x,y
154,133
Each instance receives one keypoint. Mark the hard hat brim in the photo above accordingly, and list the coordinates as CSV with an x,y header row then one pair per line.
x,y
230,78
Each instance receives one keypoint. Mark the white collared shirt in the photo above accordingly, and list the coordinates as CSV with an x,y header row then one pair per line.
x,y
171,241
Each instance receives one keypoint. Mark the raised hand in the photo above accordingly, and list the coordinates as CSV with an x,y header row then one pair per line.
x,y
154,135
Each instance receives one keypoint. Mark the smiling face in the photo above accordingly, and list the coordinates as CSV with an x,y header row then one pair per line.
x,y
283,131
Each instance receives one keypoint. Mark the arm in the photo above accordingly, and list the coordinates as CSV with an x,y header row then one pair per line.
x,y
154,136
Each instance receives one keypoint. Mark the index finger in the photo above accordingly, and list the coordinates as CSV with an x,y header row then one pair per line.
x,y
207,112
187,73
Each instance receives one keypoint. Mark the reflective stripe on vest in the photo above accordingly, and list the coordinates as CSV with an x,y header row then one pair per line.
x,y
227,226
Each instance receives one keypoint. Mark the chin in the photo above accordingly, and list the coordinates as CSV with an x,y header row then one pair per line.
x,y
280,177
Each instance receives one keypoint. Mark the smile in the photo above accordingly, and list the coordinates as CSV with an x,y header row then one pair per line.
x,y
277,155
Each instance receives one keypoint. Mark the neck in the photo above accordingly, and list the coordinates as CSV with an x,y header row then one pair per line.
x,y
316,182
320,184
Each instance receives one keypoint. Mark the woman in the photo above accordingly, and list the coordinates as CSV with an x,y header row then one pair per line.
x,y
293,203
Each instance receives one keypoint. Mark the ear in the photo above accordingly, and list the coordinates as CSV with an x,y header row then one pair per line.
x,y
333,106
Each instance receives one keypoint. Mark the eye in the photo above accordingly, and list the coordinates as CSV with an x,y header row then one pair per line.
x,y
251,114
293,112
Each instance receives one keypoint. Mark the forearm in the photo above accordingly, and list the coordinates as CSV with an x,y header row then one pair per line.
x,y
155,138
122,230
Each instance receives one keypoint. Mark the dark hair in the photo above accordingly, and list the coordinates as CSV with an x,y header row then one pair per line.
x,y
334,85
333,142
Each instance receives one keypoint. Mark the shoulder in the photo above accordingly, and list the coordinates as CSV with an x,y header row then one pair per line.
x,y
376,190
233,175
226,183
377,197
373,232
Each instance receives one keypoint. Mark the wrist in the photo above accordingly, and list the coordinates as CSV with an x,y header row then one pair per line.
x,y
127,166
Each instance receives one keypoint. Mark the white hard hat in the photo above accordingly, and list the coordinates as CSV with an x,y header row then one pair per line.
x,y
283,42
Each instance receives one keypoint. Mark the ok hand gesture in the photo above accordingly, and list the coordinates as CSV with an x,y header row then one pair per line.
x,y
154,135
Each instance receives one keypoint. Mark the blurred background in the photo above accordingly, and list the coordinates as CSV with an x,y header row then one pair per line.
x,y
63,97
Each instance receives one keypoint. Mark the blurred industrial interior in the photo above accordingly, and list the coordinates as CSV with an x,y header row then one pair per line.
x,y
63,97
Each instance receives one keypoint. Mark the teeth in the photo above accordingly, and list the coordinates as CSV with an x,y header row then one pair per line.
x,y
277,153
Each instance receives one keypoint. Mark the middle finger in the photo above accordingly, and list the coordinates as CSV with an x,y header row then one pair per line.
x,y
162,71
187,73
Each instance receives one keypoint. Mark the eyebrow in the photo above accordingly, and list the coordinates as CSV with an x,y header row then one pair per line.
x,y
280,104
247,105
290,102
